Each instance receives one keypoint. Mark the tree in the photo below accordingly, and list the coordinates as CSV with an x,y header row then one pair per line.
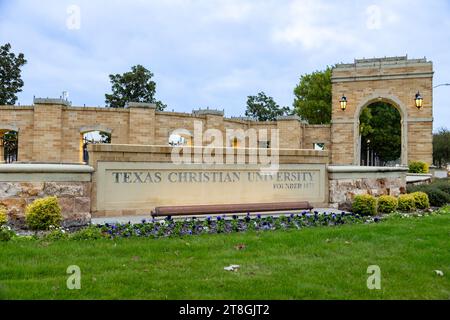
x,y
10,74
380,124
134,86
441,147
264,108
313,97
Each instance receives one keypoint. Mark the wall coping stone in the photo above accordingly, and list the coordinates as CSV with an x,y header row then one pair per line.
x,y
353,169
57,101
144,105
45,168
418,177
291,117
137,148
213,112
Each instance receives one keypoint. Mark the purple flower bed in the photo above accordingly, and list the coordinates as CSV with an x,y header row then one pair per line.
x,y
220,224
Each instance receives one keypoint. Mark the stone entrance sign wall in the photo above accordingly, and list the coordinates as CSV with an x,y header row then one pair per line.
x,y
135,179
140,186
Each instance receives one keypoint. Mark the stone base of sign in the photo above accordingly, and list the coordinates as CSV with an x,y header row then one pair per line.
x,y
21,184
345,182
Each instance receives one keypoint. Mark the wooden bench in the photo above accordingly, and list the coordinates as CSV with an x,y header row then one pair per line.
x,y
229,208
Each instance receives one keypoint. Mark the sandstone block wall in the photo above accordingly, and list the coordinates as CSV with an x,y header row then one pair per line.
x,y
20,185
348,181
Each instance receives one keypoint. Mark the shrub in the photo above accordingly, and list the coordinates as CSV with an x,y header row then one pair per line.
x,y
406,203
43,213
420,187
364,205
387,204
437,197
3,216
418,167
421,200
57,234
6,233
443,185
88,233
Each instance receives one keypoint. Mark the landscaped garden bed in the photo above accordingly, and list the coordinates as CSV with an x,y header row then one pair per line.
x,y
306,263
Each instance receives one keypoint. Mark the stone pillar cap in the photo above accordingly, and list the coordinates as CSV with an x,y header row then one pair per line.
x,y
145,105
208,111
291,117
51,101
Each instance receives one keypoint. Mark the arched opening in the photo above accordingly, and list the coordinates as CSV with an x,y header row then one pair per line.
x,y
180,137
380,135
9,146
92,137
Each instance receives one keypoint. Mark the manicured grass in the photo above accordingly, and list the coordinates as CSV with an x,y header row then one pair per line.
x,y
312,263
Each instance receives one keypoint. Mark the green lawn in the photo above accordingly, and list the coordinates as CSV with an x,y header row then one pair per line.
x,y
314,263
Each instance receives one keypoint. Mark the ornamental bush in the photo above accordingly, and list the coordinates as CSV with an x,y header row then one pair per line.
x,y
387,204
421,200
365,205
43,213
418,167
3,216
443,185
406,203
437,197
89,233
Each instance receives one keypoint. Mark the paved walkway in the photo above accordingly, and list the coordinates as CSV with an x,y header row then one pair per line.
x,y
138,219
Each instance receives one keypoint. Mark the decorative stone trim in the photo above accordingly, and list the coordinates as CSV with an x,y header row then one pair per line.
x,y
420,120
45,168
351,169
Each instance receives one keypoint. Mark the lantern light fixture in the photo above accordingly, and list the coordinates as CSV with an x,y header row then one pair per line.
x,y
419,100
343,102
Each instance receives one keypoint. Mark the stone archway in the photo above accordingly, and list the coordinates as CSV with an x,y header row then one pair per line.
x,y
394,80
394,102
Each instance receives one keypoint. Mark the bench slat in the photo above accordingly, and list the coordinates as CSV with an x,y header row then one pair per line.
x,y
229,208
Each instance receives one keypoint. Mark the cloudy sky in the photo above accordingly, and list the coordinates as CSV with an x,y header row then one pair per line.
x,y
214,53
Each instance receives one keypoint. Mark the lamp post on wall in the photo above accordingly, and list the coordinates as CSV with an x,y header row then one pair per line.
x,y
442,84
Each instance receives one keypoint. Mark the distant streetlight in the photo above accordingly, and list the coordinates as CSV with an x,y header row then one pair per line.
x,y
442,84
419,100
343,102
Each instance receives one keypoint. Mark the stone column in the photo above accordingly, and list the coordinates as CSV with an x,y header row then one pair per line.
x,y
214,120
142,123
47,134
290,132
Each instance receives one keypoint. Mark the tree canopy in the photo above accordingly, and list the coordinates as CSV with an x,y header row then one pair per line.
x,y
264,108
441,147
10,74
380,124
313,97
133,86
